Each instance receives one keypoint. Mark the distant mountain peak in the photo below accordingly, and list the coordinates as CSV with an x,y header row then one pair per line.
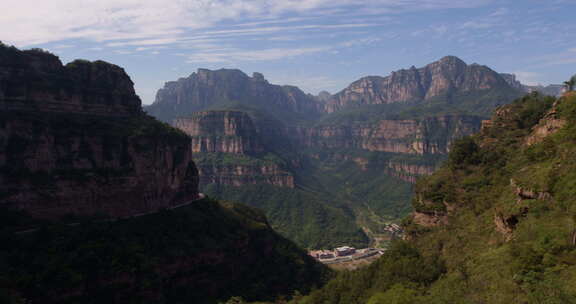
x,y
451,59
226,88
448,75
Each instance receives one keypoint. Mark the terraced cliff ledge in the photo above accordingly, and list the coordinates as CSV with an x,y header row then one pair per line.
x,y
74,141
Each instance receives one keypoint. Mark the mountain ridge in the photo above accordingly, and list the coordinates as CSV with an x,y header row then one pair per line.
x,y
286,148
416,85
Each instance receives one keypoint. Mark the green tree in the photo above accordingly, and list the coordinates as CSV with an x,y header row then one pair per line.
x,y
464,151
397,294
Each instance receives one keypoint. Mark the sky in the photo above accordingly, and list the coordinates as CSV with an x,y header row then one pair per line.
x,y
313,44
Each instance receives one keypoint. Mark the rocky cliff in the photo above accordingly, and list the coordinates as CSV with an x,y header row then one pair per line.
x,y
35,80
230,150
431,135
221,131
449,75
74,141
224,88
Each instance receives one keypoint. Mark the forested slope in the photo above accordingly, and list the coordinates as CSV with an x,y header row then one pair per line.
x,y
496,224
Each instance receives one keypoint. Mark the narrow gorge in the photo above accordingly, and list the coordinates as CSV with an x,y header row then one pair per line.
x,y
353,155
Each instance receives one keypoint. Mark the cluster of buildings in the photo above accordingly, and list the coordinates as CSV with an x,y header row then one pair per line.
x,y
344,254
331,254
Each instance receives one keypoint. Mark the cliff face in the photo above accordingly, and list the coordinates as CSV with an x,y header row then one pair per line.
x,y
205,89
448,75
221,131
37,81
228,148
73,140
427,136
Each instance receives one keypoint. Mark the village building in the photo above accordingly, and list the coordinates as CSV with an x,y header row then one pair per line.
x,y
322,254
344,251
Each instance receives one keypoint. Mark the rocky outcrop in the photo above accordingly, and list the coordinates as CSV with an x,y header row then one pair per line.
x,y
547,126
221,131
427,136
430,219
448,75
74,141
505,225
35,80
524,193
429,213
228,87
228,147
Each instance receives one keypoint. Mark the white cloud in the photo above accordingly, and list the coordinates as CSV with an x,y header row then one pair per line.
x,y
500,12
361,41
233,55
62,46
478,24
36,22
565,57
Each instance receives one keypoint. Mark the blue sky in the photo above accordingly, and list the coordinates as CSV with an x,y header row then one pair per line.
x,y
314,44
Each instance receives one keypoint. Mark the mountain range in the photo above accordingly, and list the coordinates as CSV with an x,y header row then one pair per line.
x,y
351,157
100,202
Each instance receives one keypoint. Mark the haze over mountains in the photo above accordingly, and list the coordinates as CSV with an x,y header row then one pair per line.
x,y
100,202
156,170
351,156
209,89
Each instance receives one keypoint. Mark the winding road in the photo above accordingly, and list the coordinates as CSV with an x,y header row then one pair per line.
x,y
201,196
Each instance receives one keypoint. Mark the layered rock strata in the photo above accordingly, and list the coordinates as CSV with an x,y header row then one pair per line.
x,y
74,141
35,80
221,131
229,150
427,136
